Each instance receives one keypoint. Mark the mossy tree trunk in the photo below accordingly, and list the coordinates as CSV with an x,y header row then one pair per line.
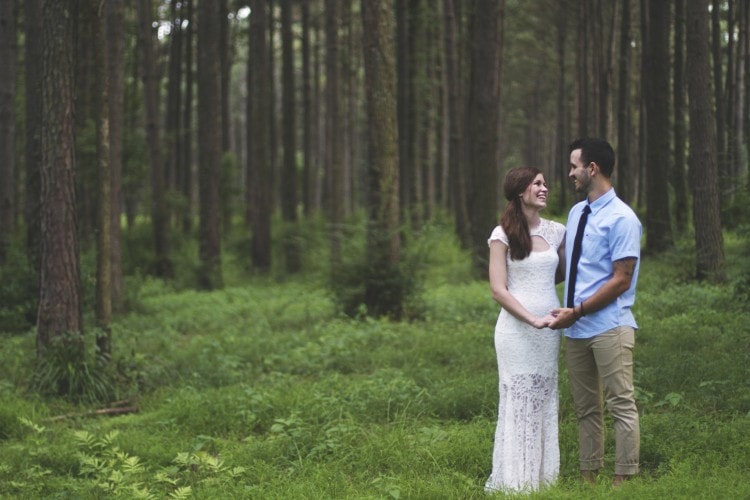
x,y
59,317
383,288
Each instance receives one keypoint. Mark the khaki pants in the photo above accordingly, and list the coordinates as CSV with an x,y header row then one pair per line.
x,y
605,361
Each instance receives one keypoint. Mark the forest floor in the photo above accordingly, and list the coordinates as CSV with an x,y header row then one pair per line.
x,y
262,390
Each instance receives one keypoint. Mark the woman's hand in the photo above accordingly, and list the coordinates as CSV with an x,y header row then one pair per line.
x,y
543,322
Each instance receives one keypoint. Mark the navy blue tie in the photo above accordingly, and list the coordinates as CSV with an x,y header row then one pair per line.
x,y
576,256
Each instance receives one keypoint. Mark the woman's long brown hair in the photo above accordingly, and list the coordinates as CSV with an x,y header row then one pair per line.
x,y
513,220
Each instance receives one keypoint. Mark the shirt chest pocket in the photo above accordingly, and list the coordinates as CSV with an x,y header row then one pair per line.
x,y
595,247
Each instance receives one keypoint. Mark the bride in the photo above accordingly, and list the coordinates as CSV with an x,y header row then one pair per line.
x,y
526,260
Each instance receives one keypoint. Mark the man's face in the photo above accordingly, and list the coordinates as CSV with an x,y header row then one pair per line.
x,y
579,172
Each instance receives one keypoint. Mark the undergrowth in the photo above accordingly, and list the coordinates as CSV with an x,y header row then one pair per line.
x,y
265,390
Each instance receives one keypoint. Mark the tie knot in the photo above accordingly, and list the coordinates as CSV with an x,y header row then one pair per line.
x,y
587,209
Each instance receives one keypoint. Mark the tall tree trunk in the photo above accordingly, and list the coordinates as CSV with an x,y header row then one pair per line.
x,y
582,65
562,139
709,242
259,143
642,150
289,178
227,166
727,173
383,249
624,166
658,221
309,180
334,150
481,120
34,119
159,218
116,76
406,108
456,170
185,170
103,310
679,181
8,64
172,123
209,147
59,321
719,97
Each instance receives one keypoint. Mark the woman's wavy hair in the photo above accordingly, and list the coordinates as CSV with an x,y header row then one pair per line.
x,y
513,221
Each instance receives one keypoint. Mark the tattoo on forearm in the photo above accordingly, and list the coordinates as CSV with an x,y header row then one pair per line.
x,y
625,266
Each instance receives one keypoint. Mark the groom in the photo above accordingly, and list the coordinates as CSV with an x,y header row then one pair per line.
x,y
602,259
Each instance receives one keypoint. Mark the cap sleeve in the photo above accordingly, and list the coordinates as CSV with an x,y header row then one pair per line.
x,y
498,234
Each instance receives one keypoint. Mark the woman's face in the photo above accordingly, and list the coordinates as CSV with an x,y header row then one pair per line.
x,y
535,195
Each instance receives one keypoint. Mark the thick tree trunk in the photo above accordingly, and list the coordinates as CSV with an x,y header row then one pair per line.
x,y
59,317
658,221
8,64
481,120
209,147
383,249
709,242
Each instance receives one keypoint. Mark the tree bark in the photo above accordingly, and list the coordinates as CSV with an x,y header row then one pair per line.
x,y
719,96
456,170
8,65
103,310
209,147
703,164
59,320
482,120
289,179
259,142
115,29
34,119
308,187
159,217
624,165
383,248
185,171
334,151
679,180
658,221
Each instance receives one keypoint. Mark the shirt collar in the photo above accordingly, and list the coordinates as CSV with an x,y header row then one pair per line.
x,y
603,200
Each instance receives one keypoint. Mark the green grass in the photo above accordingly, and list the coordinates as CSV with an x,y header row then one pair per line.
x,y
263,390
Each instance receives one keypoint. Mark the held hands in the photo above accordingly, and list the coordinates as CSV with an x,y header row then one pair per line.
x,y
543,322
562,318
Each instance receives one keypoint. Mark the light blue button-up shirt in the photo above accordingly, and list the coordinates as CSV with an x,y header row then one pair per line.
x,y
613,232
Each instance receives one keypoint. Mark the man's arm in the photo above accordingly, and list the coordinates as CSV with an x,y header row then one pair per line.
x,y
622,276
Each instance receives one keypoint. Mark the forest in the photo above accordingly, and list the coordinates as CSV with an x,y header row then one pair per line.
x,y
243,243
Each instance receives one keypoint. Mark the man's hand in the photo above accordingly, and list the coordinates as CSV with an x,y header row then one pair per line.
x,y
564,317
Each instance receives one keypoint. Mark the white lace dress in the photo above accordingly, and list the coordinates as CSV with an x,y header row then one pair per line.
x,y
526,452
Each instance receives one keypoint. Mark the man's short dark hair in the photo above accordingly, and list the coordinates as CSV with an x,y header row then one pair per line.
x,y
595,150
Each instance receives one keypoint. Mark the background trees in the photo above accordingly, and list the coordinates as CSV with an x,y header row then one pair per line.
x,y
480,87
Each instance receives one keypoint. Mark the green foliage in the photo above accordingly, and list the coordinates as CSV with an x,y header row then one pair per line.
x,y
18,292
263,390
64,370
